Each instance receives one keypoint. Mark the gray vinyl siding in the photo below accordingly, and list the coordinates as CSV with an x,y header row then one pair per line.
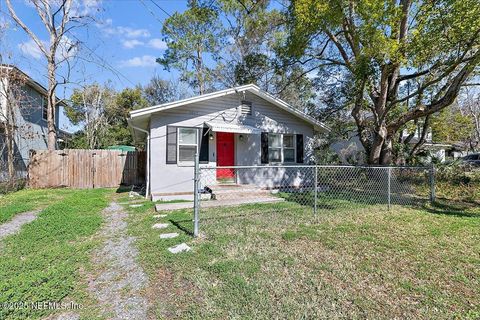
x,y
32,128
175,178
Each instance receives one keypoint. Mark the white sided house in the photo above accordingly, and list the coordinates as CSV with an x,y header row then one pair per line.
x,y
241,126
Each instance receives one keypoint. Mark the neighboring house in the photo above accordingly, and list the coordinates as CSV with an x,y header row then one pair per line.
x,y
30,116
242,126
435,149
351,151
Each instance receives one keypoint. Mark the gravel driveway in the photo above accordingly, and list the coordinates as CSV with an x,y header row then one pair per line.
x,y
119,283
17,222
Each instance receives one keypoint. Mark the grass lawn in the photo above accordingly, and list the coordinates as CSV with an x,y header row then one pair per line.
x,y
43,261
28,200
278,261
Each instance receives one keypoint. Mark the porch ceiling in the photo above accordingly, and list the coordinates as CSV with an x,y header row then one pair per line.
x,y
233,128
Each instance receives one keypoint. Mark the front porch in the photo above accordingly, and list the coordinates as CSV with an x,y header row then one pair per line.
x,y
225,195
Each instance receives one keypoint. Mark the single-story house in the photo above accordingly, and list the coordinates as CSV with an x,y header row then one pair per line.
x,y
241,126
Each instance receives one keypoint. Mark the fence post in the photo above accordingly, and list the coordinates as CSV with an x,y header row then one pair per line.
x,y
315,188
389,188
432,184
196,195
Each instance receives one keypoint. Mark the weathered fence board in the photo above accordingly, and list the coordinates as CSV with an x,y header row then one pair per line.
x,y
86,168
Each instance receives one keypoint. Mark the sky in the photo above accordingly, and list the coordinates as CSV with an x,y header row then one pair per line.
x,y
119,47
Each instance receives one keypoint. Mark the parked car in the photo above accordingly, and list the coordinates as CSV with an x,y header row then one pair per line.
x,y
472,159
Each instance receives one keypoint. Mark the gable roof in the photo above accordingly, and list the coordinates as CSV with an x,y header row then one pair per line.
x,y
146,112
6,69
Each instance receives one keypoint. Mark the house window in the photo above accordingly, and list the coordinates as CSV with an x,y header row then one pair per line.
x,y
274,148
281,148
187,144
44,109
288,148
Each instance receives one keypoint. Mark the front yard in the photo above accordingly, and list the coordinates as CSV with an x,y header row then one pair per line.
x,y
254,261
42,263
366,263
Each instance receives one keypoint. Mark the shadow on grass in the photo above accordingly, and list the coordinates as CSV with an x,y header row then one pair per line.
x,y
182,225
453,208
353,199
124,189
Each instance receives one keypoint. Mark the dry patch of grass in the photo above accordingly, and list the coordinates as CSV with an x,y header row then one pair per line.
x,y
279,261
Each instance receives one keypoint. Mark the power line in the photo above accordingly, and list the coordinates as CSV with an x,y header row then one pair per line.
x,y
151,12
103,61
163,10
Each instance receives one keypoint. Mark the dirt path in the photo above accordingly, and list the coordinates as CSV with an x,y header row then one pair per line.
x,y
17,222
119,283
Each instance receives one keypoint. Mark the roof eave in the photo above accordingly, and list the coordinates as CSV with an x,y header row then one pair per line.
x,y
170,105
146,112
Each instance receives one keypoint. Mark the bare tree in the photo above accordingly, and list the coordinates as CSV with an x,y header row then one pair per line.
x,y
159,91
59,18
471,106
88,107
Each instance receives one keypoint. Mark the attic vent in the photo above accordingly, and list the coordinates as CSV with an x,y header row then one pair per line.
x,y
246,108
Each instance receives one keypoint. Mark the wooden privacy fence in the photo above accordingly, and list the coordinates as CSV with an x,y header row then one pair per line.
x,y
76,168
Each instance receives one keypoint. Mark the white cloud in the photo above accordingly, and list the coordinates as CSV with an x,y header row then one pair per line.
x,y
91,6
30,49
126,32
143,61
66,50
152,43
103,23
129,44
84,8
157,44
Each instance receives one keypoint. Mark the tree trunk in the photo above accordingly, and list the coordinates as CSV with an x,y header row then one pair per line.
x,y
51,102
386,155
9,139
375,154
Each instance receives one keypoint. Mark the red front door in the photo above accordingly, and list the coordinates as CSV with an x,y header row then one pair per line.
x,y
225,155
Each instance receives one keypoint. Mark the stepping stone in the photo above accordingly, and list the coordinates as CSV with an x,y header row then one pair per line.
x,y
135,205
168,235
160,226
183,247
160,216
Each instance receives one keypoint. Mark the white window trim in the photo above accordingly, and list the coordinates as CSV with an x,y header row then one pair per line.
x,y
294,148
186,163
282,148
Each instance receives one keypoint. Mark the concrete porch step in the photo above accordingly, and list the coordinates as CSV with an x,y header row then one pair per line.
x,y
235,191
215,203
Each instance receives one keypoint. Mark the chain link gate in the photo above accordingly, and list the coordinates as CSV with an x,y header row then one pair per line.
x,y
274,188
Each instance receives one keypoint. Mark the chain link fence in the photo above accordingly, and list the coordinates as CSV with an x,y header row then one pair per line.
x,y
240,190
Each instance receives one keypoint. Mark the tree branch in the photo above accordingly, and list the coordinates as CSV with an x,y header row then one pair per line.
x,y
26,29
447,99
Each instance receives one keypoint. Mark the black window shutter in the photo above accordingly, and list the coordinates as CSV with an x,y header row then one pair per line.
x,y
204,142
264,147
171,145
299,148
